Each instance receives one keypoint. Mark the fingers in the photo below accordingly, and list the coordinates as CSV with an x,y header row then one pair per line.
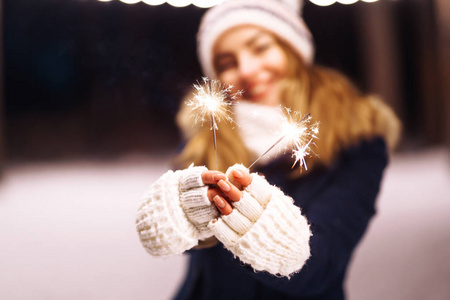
x,y
242,177
212,177
229,190
222,205
225,192
211,193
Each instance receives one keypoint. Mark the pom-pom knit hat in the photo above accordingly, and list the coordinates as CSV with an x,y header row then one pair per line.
x,y
281,17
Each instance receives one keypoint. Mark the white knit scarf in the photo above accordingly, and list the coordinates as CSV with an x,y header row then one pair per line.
x,y
258,127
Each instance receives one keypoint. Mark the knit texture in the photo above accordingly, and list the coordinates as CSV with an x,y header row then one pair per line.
x,y
255,129
279,17
270,234
174,213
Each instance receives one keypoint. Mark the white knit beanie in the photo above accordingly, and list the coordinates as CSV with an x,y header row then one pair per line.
x,y
281,17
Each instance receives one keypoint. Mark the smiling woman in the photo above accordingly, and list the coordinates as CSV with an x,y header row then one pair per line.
x,y
98,83
271,219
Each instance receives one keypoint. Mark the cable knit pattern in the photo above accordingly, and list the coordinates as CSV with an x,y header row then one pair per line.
x,y
259,188
174,213
276,239
240,223
249,207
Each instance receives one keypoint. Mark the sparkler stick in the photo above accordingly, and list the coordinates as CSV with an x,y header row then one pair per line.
x,y
212,101
276,143
271,147
213,125
299,136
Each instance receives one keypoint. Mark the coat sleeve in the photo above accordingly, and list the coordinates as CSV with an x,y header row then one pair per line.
x,y
338,216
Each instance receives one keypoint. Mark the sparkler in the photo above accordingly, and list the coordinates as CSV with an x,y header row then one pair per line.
x,y
212,101
298,135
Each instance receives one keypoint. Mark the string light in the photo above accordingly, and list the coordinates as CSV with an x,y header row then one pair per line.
x,y
154,2
211,3
330,2
206,3
323,2
179,3
130,1
347,1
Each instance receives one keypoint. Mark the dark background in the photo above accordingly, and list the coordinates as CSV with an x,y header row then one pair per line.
x,y
101,80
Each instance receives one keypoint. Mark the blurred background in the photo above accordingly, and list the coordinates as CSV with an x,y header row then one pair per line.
x,y
88,94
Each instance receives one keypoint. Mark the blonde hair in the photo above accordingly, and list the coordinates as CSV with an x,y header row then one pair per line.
x,y
346,118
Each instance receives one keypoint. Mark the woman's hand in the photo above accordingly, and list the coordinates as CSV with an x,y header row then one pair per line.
x,y
258,222
222,191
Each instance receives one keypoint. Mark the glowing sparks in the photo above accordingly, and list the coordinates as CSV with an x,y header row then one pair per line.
x,y
212,101
297,134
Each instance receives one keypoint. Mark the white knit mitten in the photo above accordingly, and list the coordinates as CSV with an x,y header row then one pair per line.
x,y
265,229
174,213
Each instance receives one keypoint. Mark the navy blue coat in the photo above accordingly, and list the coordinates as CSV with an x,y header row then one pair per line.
x,y
338,202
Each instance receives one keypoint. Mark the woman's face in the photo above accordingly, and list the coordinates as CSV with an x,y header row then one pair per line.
x,y
251,60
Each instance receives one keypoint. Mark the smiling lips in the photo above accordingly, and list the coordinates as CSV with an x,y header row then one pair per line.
x,y
256,91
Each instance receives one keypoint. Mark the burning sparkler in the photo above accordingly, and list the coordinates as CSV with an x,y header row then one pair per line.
x,y
298,134
212,101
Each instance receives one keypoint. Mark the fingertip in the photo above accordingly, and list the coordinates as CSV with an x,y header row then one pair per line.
x,y
224,186
237,174
218,177
245,180
204,176
211,193
223,206
212,177
220,203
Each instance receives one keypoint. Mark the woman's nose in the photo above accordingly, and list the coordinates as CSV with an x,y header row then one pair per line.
x,y
248,67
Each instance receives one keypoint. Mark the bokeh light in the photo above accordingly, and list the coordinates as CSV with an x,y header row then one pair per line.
x,y
347,1
206,3
323,2
154,2
211,3
179,3
130,1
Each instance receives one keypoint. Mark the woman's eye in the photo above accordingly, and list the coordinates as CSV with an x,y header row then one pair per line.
x,y
262,47
224,66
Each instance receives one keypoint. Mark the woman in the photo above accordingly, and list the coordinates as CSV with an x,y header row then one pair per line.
x,y
283,234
